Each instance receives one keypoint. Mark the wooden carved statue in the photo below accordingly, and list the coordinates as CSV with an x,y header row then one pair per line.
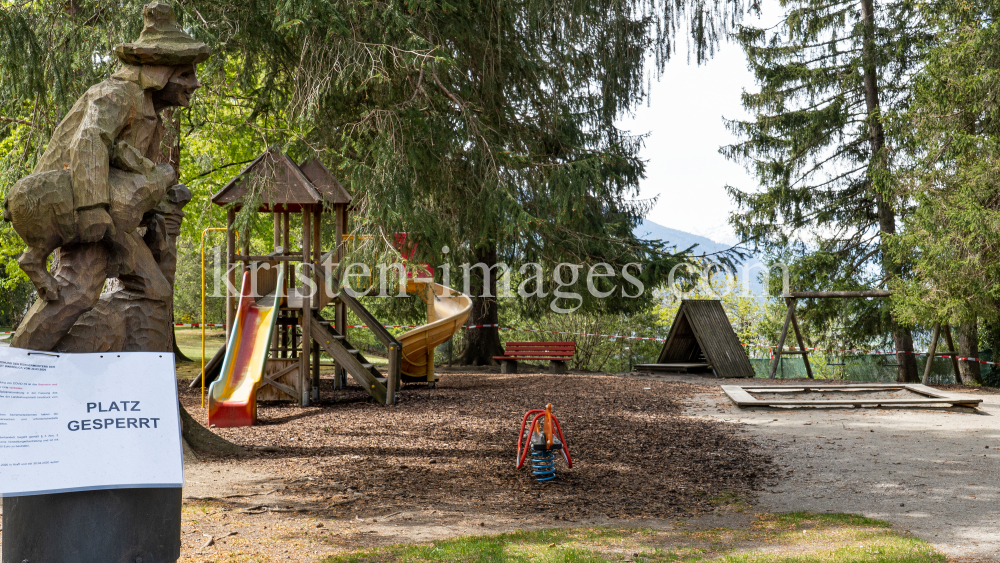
x,y
104,197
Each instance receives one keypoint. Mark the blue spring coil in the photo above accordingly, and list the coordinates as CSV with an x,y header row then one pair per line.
x,y
543,464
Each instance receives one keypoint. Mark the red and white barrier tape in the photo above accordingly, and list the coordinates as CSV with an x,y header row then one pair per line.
x,y
649,338
610,336
880,353
620,337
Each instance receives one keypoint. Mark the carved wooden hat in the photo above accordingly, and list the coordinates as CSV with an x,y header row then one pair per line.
x,y
162,41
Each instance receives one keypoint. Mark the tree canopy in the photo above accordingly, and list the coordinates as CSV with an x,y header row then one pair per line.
x,y
484,126
817,142
952,130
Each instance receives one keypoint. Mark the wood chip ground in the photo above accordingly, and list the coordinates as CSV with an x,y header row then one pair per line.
x,y
449,451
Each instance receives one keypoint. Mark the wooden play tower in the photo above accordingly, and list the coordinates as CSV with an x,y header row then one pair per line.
x,y
301,194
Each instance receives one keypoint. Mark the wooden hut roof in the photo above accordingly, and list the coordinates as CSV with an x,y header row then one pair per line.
x,y
286,186
324,182
701,327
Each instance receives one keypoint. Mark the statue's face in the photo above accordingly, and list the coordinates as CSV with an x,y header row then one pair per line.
x,y
179,89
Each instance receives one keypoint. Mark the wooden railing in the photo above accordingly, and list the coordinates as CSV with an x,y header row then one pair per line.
x,y
392,377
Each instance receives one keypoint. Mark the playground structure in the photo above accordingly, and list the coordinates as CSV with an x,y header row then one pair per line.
x,y
702,340
277,356
933,352
542,441
791,300
255,325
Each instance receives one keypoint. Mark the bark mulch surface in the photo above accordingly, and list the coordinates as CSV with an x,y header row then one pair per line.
x,y
452,447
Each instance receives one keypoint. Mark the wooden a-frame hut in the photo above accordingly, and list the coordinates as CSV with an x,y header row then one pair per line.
x,y
702,340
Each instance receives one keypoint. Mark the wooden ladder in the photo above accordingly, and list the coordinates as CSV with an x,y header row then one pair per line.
x,y
382,387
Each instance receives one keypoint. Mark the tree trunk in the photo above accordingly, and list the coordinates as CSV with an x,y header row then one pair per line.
x,y
878,171
481,344
993,339
199,439
995,353
178,355
968,347
171,153
907,369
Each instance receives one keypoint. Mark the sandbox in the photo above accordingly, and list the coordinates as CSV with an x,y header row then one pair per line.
x,y
854,395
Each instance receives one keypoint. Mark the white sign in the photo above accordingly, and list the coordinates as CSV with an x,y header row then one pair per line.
x,y
75,422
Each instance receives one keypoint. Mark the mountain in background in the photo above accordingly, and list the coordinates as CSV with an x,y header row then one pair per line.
x,y
681,240
648,230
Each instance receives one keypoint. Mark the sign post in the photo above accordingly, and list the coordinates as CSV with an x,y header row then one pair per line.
x,y
84,440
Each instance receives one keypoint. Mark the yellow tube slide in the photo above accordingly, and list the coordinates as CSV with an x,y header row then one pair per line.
x,y
447,312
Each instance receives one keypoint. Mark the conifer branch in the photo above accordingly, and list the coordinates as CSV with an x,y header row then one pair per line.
x,y
18,121
445,90
416,89
218,168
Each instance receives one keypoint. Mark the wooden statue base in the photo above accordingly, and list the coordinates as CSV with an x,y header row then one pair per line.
x,y
111,526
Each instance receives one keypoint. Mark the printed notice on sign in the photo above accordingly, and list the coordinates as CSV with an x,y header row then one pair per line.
x,y
74,422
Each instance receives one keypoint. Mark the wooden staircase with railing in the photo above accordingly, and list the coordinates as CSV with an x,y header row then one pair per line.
x,y
382,387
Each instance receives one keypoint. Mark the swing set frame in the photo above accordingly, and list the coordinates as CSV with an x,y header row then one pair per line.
x,y
791,299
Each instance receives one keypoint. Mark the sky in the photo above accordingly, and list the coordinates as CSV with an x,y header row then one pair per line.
x,y
684,120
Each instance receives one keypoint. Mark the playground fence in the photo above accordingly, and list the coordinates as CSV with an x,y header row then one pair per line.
x,y
869,367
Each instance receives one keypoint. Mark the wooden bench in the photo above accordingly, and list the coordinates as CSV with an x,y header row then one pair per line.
x,y
557,353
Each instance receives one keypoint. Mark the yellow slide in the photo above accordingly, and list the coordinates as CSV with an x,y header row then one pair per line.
x,y
232,399
447,312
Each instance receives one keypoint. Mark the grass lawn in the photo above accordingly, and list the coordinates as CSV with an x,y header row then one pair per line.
x,y
189,341
771,538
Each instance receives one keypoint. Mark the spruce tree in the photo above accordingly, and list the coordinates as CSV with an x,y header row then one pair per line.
x,y
953,131
818,144
485,126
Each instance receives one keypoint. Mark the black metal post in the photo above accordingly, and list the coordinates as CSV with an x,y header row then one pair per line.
x,y
107,526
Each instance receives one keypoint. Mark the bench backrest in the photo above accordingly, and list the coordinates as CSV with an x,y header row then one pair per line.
x,y
541,349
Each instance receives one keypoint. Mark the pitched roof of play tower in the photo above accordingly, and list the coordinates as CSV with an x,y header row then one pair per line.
x,y
281,185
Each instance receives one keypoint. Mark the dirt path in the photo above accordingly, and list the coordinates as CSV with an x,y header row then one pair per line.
x,y
931,471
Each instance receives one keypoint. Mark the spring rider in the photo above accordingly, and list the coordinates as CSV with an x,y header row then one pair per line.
x,y
542,441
